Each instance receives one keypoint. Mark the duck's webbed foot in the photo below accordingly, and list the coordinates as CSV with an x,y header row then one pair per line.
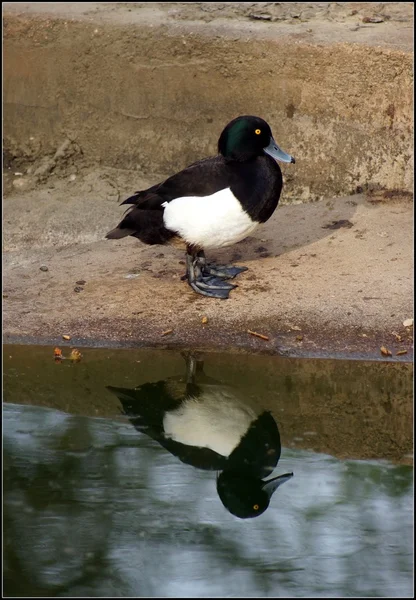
x,y
206,280
224,271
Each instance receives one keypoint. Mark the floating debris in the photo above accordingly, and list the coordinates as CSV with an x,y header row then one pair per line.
x,y
57,353
66,337
75,355
259,335
400,352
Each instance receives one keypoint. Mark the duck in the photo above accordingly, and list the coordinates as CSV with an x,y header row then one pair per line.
x,y
213,203
204,423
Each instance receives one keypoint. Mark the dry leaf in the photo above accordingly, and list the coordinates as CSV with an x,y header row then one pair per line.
x,y
58,355
75,355
299,338
167,332
204,320
397,336
400,352
385,351
66,337
259,335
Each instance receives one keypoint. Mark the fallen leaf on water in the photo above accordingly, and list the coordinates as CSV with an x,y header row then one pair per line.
x,y
259,335
385,351
408,323
75,355
57,355
400,352
204,320
66,337
167,332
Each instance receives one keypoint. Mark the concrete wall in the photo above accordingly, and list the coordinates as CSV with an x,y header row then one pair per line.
x,y
155,99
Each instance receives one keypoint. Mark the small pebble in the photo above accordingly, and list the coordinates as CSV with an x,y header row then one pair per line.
x,y
44,268
78,288
19,183
81,282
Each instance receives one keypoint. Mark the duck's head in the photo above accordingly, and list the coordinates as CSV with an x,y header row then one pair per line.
x,y
246,137
247,496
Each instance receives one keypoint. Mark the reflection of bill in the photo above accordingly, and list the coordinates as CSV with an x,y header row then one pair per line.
x,y
205,424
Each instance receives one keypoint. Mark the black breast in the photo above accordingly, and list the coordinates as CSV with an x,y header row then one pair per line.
x,y
258,187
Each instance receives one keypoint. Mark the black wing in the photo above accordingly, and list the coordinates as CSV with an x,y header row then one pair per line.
x,y
144,219
202,178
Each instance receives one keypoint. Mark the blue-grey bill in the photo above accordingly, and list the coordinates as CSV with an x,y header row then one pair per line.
x,y
273,150
271,485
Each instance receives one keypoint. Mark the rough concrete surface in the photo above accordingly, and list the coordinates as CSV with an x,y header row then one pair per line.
x,y
333,277
150,86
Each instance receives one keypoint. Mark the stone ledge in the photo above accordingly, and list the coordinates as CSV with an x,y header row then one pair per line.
x,y
141,91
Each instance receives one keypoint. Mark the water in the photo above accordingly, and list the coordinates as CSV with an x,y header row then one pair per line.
x,y
101,503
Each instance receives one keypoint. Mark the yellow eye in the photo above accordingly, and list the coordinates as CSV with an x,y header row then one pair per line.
x,y
257,132
256,506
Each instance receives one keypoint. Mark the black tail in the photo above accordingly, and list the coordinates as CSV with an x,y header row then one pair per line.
x,y
117,234
146,225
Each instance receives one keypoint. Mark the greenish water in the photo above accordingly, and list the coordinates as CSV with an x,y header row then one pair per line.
x,y
99,502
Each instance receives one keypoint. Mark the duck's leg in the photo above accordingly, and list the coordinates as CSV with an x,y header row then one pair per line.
x,y
201,280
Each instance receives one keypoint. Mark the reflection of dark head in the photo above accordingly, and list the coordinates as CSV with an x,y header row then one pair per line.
x,y
247,496
205,423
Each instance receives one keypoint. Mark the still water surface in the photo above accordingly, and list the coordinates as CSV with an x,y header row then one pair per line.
x,y
136,473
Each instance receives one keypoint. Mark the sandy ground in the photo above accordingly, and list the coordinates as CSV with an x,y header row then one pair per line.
x,y
333,277
325,278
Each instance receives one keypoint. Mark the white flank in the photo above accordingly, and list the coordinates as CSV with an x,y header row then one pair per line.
x,y
215,420
209,221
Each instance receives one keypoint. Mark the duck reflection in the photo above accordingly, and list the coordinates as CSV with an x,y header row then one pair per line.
x,y
205,424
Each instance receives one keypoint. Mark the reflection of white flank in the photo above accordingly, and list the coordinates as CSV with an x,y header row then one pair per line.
x,y
215,420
